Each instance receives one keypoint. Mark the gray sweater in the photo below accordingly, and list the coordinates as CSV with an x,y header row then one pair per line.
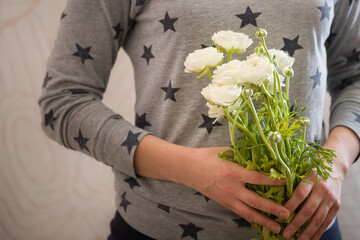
x,y
323,36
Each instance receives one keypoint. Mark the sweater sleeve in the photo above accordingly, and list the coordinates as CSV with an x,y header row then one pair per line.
x,y
78,69
343,46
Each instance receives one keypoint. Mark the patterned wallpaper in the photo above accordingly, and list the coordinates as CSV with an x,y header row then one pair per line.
x,y
47,191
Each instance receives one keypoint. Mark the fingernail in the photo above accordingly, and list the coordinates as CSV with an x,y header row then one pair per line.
x,y
275,229
287,233
282,216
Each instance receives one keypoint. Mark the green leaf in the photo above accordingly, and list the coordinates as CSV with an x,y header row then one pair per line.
x,y
275,174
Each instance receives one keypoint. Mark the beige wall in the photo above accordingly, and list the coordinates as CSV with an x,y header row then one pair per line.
x,y
46,191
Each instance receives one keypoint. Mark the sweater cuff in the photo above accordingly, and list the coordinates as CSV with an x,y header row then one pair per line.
x,y
117,144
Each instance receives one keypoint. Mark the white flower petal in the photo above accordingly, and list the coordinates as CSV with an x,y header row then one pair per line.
x,y
227,73
232,40
198,60
282,58
255,70
223,95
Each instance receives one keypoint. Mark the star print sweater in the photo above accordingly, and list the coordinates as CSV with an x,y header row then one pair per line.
x,y
323,36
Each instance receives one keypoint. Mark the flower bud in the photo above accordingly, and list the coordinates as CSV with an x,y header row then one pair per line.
x,y
288,71
274,137
305,121
261,33
259,50
258,96
248,92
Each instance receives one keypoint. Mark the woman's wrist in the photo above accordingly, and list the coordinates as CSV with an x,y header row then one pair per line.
x,y
159,159
346,145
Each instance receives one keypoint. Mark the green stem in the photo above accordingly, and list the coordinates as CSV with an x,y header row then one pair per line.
x,y
229,54
288,175
256,119
270,114
266,49
264,89
303,138
232,138
281,95
287,88
242,128
209,75
275,97
206,71
288,147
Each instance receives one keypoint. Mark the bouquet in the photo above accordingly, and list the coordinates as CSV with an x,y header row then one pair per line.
x,y
266,134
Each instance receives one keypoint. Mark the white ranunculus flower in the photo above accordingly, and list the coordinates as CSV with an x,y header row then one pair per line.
x,y
227,73
282,58
198,60
255,70
223,95
228,40
216,111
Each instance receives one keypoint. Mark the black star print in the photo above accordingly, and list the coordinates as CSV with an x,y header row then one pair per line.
x,y
131,140
316,77
140,121
248,17
147,54
208,123
76,91
291,45
206,198
164,207
190,230
357,119
354,57
139,2
124,202
83,53
325,11
132,182
118,30
49,119
170,92
46,79
81,141
292,109
242,222
205,46
63,15
168,22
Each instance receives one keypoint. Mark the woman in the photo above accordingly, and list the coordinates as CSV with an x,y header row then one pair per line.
x,y
169,180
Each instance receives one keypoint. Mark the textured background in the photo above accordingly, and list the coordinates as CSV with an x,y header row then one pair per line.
x,y
46,191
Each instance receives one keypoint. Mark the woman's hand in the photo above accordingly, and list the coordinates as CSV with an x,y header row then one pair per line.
x,y
224,182
321,207
324,196
203,170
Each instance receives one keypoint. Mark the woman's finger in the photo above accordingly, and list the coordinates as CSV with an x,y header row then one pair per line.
x,y
317,220
331,215
306,212
251,215
301,192
256,201
258,178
